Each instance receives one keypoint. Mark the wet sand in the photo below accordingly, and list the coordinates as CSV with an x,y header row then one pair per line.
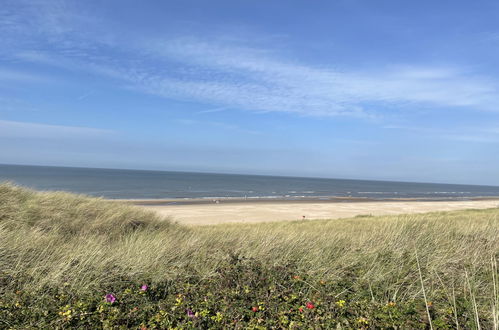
x,y
208,212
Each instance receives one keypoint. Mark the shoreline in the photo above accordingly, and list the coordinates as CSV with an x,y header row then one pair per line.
x,y
250,211
292,200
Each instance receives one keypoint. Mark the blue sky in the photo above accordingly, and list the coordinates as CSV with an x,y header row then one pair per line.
x,y
389,90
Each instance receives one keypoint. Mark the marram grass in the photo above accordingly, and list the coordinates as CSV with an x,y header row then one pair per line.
x,y
63,256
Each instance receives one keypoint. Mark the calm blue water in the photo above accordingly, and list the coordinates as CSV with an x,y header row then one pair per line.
x,y
155,184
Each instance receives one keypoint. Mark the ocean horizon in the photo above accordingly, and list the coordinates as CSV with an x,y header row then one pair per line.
x,y
151,184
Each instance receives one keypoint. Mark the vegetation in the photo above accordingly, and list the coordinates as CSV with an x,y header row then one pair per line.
x,y
73,261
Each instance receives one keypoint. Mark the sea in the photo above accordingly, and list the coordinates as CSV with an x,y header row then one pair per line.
x,y
141,184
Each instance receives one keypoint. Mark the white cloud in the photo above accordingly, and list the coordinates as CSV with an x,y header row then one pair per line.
x,y
227,73
16,129
277,84
9,76
216,124
474,134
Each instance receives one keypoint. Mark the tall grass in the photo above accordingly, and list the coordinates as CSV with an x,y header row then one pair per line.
x,y
61,239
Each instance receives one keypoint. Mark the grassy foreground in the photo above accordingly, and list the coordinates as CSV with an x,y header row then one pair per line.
x,y
72,261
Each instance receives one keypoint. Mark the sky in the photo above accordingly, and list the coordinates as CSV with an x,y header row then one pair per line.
x,y
383,90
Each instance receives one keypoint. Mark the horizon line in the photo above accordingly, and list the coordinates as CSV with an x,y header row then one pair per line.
x,y
249,174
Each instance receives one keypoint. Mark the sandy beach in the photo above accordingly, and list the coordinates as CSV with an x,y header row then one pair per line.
x,y
208,213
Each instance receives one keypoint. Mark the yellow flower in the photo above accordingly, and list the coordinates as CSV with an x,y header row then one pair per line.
x,y
362,320
391,304
340,303
66,312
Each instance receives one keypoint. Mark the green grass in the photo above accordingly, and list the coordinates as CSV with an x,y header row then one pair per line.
x,y
60,254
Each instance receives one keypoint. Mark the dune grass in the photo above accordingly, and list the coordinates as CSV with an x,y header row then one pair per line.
x,y
61,253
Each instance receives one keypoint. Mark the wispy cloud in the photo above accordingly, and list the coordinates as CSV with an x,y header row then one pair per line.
x,y
472,134
9,76
84,96
230,74
217,109
259,80
16,129
217,124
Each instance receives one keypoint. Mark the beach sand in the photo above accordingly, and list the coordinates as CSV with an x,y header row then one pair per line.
x,y
250,211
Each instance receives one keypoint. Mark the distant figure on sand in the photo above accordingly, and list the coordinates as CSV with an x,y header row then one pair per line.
x,y
303,217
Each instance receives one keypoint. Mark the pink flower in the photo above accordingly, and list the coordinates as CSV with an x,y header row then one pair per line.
x,y
144,287
190,313
110,298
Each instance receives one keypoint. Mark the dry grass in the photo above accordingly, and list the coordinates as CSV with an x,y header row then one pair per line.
x,y
59,238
